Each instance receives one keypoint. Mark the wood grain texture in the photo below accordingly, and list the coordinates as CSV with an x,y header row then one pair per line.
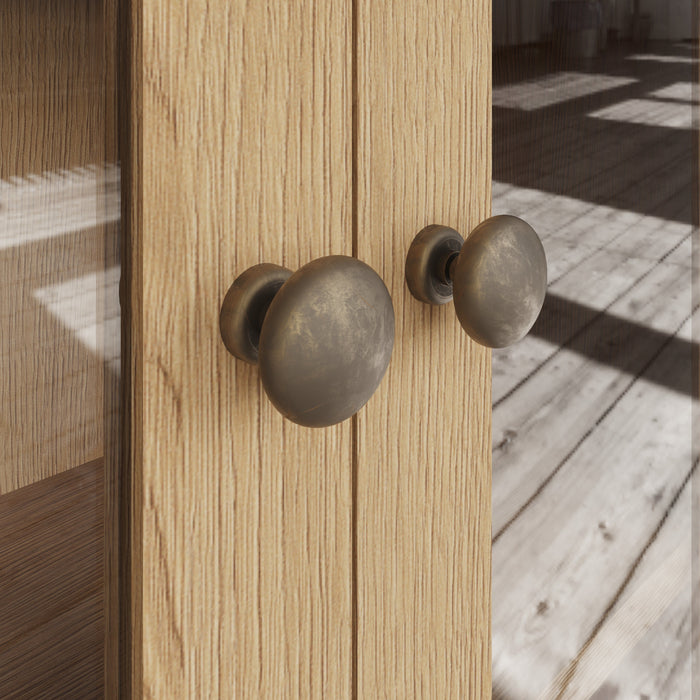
x,y
130,107
52,117
607,519
644,647
240,153
114,455
51,595
423,467
51,89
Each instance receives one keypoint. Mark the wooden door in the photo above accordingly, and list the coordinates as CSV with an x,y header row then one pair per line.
x,y
266,559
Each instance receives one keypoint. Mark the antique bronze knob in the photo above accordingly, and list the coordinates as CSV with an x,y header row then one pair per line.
x,y
498,276
322,336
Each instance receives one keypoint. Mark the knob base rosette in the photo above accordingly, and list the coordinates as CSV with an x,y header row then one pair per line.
x,y
428,261
244,307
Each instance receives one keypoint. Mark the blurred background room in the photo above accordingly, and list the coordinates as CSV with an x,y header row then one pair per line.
x,y
595,145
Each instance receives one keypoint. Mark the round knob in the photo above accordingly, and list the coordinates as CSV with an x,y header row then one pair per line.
x,y
498,276
322,336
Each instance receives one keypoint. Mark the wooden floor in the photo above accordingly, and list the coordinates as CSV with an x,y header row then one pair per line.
x,y
52,587
592,424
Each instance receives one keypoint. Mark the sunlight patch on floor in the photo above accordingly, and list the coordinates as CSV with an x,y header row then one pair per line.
x,y
648,112
39,207
87,306
660,58
553,89
683,91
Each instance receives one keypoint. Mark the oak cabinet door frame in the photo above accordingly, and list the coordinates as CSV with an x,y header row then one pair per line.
x,y
266,559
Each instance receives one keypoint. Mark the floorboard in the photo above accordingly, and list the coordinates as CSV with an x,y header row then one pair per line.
x,y
592,411
51,588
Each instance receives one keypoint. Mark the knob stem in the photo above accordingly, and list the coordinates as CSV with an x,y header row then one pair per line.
x,y
449,267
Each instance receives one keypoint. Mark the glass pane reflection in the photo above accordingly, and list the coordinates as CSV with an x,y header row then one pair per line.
x,y
59,348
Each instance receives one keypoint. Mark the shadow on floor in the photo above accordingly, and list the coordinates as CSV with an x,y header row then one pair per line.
x,y
643,117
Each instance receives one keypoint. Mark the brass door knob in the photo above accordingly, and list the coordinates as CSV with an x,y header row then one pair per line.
x,y
498,276
322,336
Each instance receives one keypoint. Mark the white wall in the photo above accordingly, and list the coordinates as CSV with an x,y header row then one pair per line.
x,y
682,24
519,21
526,21
673,19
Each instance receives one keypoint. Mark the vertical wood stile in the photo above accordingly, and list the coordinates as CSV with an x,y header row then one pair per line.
x,y
240,569
111,343
423,468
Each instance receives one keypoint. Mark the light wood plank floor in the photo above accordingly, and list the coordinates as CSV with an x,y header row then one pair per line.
x,y
592,427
